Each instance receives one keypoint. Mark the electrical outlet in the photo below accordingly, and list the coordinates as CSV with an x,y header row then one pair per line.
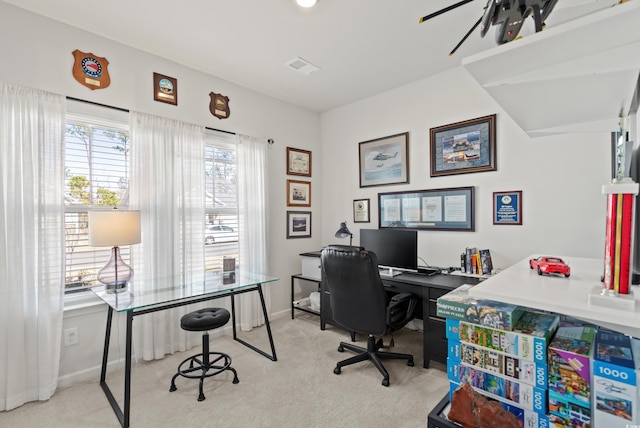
x,y
71,336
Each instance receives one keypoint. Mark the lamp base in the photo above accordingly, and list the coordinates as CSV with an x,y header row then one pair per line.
x,y
115,288
116,274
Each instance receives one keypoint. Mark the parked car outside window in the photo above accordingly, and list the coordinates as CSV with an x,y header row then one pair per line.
x,y
219,233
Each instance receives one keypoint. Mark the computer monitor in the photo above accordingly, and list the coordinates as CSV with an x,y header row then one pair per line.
x,y
397,250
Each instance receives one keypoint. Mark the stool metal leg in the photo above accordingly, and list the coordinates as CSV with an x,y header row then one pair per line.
x,y
201,368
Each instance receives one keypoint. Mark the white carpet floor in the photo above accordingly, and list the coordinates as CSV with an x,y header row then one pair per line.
x,y
299,390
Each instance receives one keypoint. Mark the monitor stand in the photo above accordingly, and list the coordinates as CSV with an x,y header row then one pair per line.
x,y
389,272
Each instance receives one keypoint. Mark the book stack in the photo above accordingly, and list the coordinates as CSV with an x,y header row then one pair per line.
x,y
501,351
476,262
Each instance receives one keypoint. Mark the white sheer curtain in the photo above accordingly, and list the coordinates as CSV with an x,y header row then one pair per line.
x,y
167,186
31,243
252,185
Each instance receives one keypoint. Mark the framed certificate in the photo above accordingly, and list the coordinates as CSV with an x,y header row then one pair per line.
x,y
507,207
361,211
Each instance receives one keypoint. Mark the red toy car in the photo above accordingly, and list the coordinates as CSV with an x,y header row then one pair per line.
x,y
547,264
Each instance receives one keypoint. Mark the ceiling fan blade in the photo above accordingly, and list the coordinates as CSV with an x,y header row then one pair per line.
x,y
466,36
446,9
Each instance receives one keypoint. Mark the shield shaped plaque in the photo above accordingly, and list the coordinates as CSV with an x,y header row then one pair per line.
x,y
91,70
219,106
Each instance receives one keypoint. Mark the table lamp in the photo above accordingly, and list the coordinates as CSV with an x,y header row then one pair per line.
x,y
113,229
344,231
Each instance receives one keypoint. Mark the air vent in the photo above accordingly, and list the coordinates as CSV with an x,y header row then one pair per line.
x,y
302,66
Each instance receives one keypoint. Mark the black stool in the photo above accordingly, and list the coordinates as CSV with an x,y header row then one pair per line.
x,y
205,364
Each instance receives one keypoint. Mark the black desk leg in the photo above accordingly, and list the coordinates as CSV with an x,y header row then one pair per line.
x,y
426,352
123,417
272,357
292,316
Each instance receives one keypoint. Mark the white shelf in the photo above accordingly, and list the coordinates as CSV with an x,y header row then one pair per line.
x,y
574,77
521,285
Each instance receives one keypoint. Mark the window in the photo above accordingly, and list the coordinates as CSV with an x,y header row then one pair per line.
x,y
96,176
221,199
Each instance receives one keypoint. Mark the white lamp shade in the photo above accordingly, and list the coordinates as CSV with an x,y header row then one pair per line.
x,y
114,228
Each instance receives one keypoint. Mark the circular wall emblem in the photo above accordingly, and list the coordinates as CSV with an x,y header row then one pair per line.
x,y
91,67
165,86
506,199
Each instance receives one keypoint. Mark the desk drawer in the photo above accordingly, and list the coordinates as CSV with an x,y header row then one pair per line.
x,y
434,294
438,344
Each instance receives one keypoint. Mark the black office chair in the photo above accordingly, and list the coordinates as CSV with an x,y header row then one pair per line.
x,y
360,304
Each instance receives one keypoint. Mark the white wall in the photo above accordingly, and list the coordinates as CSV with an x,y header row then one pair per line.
x,y
560,176
37,52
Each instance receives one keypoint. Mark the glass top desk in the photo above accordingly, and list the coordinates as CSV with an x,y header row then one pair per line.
x,y
144,296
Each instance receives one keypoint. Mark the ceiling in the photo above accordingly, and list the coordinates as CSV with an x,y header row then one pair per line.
x,y
363,47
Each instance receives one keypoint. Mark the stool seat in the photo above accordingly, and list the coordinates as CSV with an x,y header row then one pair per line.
x,y
205,364
205,319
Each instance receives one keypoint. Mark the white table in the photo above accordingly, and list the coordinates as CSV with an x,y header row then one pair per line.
x,y
521,285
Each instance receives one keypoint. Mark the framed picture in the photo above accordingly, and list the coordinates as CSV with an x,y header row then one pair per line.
x,y
298,162
298,193
165,89
435,209
361,211
298,224
464,147
507,207
384,161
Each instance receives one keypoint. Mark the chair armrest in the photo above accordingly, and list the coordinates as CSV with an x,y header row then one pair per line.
x,y
400,310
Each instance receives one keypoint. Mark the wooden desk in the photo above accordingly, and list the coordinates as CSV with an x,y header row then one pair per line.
x,y
428,289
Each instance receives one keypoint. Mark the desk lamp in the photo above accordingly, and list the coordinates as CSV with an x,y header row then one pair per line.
x,y
344,231
113,229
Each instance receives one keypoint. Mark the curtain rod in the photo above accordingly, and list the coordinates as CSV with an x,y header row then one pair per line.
x,y
127,111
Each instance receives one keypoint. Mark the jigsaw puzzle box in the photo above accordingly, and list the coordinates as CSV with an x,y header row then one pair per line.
x,y
500,387
527,418
489,360
527,341
569,366
615,377
457,304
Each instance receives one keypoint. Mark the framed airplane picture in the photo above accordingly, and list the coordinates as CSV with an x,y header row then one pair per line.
x,y
384,160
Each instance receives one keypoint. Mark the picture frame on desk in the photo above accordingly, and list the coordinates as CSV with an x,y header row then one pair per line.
x,y
464,147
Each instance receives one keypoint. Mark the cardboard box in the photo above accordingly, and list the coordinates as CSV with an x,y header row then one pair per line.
x,y
457,304
527,341
615,392
500,387
512,367
569,366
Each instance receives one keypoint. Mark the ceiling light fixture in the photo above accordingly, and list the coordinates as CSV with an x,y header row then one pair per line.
x,y
306,3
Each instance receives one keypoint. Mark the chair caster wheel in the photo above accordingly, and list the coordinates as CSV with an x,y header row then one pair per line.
x,y
337,370
385,382
340,348
410,363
